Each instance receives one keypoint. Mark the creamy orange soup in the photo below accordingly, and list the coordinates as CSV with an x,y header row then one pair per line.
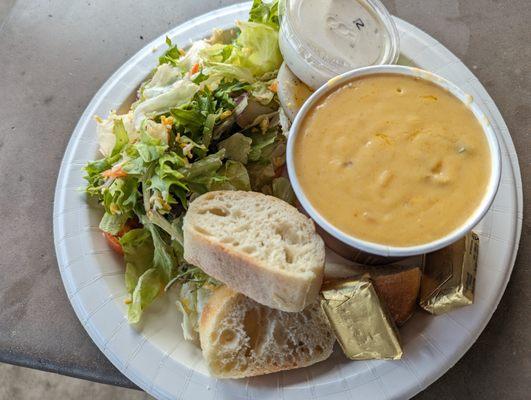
x,y
393,160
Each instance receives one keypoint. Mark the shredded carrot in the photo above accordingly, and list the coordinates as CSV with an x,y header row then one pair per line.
x,y
195,69
274,86
114,172
225,114
166,121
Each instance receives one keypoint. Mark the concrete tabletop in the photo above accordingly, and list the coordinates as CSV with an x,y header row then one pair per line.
x,y
54,55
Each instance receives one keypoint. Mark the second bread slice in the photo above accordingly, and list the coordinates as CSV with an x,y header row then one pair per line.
x,y
256,244
242,338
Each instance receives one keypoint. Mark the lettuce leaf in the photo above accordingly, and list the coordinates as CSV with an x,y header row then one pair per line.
x,y
265,13
266,157
261,91
194,55
121,138
114,132
148,288
232,176
113,223
261,145
167,183
134,165
150,264
164,76
217,71
172,55
138,255
121,196
237,147
281,188
203,171
180,92
256,48
260,175
217,52
197,119
142,281
150,148
189,118
163,257
254,53
94,178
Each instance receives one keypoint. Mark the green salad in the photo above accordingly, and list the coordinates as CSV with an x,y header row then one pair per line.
x,y
207,118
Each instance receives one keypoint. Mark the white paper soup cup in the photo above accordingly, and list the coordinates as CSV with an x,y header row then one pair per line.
x,y
375,253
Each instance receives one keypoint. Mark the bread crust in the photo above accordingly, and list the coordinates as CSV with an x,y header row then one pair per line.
x,y
399,291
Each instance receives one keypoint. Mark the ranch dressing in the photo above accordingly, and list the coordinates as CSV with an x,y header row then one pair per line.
x,y
324,38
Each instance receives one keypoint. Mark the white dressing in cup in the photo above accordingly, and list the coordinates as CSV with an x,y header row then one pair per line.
x,y
320,39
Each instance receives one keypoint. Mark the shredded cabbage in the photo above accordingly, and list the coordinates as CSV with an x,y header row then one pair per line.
x,y
106,134
191,302
174,95
257,48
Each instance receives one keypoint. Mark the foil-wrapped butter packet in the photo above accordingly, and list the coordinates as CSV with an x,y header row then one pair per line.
x,y
449,276
359,319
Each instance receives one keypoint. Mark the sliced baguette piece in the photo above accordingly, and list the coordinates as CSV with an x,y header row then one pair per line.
x,y
240,337
257,245
397,285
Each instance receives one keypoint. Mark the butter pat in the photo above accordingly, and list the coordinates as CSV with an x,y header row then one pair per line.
x,y
449,276
360,321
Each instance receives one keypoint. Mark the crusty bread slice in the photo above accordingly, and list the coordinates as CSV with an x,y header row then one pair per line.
x,y
240,337
258,245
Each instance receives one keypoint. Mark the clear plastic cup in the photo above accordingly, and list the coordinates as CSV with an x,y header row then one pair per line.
x,y
321,39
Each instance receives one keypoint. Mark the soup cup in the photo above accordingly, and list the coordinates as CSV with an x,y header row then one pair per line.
x,y
364,251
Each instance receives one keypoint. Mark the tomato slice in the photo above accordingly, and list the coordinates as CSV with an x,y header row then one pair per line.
x,y
114,243
114,240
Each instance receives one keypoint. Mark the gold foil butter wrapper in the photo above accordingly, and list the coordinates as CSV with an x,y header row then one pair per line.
x,y
360,321
449,276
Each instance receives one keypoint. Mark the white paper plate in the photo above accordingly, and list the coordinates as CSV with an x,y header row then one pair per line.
x,y
154,354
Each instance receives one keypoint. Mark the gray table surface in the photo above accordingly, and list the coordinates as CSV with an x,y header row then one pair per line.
x,y
55,54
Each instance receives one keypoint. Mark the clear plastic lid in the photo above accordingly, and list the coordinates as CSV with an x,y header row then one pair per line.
x,y
335,36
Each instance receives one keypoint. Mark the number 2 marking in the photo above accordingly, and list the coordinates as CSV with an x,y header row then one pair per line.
x,y
359,23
